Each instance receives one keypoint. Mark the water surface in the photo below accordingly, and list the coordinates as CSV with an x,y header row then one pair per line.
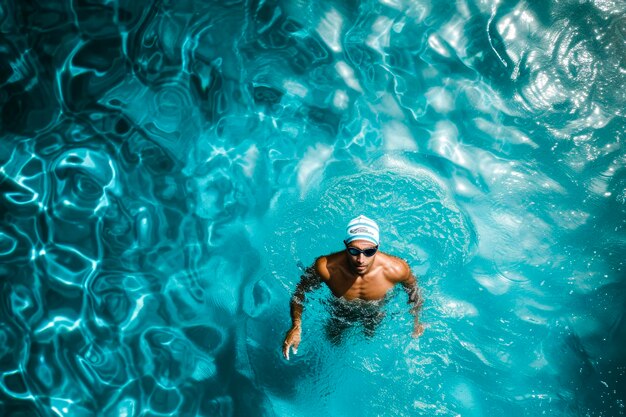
x,y
168,169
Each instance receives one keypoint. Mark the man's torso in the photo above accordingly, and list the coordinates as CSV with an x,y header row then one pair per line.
x,y
373,285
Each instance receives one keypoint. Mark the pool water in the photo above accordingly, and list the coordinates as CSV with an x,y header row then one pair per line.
x,y
170,168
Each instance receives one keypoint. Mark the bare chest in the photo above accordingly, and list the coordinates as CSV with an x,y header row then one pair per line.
x,y
368,288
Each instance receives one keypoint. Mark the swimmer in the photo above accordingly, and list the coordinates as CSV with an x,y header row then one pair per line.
x,y
358,275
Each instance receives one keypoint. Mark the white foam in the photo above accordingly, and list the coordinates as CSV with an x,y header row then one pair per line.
x,y
347,73
440,99
311,166
329,29
379,38
398,137
250,160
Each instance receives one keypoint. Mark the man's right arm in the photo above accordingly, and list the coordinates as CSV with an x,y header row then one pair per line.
x,y
308,282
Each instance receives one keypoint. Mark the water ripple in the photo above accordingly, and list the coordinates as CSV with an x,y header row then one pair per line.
x,y
167,170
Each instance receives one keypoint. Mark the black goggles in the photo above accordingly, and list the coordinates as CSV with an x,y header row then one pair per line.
x,y
369,252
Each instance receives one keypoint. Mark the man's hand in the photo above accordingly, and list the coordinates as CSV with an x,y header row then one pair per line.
x,y
292,340
418,330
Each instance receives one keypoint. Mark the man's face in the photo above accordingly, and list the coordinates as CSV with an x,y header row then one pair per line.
x,y
360,263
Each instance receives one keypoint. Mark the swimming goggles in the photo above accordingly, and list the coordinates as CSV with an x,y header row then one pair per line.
x,y
369,252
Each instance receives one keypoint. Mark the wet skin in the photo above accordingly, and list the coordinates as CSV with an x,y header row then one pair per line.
x,y
353,278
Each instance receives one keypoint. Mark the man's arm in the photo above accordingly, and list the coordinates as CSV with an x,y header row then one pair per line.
x,y
309,281
415,299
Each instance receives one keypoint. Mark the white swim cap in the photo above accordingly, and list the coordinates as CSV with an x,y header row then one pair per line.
x,y
362,228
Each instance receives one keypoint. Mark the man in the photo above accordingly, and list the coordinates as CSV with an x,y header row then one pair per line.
x,y
359,278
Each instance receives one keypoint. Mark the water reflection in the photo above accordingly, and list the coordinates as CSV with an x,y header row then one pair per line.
x,y
165,168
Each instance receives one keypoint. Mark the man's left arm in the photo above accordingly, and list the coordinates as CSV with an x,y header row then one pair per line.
x,y
415,299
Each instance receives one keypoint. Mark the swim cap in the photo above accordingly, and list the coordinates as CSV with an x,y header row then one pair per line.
x,y
362,228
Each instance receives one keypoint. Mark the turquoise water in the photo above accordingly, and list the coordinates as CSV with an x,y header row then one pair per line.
x,y
169,168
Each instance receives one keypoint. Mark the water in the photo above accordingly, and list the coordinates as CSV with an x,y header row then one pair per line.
x,y
169,168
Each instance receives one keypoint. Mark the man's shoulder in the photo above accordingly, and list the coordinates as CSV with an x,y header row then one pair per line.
x,y
331,258
396,269
323,264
